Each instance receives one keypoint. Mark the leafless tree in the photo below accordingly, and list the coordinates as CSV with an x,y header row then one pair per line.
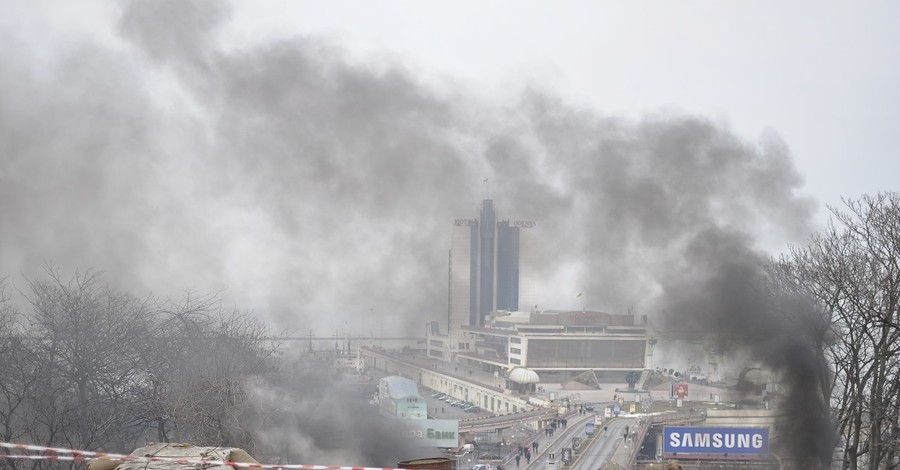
x,y
88,367
854,270
89,341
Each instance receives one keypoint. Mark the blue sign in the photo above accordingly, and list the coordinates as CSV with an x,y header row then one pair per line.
x,y
616,409
697,440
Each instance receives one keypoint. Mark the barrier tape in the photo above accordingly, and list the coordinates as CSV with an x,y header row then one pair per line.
x,y
74,458
86,455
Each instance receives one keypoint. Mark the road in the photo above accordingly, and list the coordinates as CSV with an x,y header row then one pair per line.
x,y
607,445
562,438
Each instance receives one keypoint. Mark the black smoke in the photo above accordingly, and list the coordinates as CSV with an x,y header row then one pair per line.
x,y
726,291
320,191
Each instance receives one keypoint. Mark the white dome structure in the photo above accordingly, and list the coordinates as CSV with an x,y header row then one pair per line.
x,y
521,375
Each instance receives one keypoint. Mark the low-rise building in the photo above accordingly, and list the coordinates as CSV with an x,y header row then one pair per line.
x,y
549,341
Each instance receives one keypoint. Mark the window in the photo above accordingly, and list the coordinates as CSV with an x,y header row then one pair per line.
x,y
515,351
585,353
515,340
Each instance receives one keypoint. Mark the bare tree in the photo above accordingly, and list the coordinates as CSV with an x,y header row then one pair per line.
x,y
91,368
17,377
89,341
854,270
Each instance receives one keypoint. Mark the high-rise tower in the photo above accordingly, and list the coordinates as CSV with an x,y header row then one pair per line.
x,y
486,267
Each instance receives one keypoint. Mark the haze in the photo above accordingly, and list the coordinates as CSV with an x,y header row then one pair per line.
x,y
310,170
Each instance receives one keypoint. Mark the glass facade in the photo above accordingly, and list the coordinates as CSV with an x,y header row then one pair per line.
x,y
507,266
486,261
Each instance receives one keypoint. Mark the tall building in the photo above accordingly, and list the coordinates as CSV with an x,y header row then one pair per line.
x,y
490,267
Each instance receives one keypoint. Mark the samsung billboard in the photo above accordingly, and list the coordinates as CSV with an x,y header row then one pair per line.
x,y
719,441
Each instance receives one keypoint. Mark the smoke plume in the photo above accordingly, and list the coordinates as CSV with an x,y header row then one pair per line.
x,y
320,192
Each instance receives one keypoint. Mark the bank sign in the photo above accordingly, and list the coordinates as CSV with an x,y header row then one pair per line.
x,y
431,432
718,441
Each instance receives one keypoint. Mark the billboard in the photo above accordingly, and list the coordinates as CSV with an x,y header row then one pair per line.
x,y
718,441
679,390
432,432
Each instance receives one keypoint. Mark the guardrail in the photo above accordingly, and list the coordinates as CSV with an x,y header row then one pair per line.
x,y
659,419
499,421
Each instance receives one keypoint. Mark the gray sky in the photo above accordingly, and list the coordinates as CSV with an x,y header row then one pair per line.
x,y
822,74
307,157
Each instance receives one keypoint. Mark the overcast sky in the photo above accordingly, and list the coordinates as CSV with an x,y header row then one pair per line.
x,y
418,102
824,75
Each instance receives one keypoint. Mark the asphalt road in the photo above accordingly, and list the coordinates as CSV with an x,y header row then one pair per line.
x,y
605,444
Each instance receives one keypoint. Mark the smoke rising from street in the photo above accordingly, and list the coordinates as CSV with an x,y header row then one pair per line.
x,y
316,191
320,192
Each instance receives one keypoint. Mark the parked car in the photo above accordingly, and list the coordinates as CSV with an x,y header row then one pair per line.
x,y
482,466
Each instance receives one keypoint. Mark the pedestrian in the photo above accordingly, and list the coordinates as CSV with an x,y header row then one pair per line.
x,y
518,457
521,449
535,447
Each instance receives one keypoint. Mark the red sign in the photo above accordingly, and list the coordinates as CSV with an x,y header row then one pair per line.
x,y
680,390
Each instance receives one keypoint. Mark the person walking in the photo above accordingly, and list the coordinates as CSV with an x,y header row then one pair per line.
x,y
518,457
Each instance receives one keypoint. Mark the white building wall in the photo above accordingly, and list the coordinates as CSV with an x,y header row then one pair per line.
x,y
528,270
460,275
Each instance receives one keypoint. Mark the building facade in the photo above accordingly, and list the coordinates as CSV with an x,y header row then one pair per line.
x,y
551,341
398,397
490,268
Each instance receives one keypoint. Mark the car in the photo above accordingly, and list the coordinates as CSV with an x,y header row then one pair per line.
x,y
482,466
589,407
438,395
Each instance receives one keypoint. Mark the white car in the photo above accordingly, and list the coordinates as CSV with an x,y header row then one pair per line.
x,y
482,466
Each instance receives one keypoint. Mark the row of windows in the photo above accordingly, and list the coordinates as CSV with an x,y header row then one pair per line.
x,y
585,353
515,350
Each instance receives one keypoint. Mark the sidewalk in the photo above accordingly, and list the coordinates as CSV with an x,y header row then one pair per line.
x,y
544,441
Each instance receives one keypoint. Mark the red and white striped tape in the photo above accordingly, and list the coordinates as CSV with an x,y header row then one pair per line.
x,y
74,455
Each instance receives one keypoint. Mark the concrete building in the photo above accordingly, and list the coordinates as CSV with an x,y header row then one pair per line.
x,y
490,268
398,397
550,341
